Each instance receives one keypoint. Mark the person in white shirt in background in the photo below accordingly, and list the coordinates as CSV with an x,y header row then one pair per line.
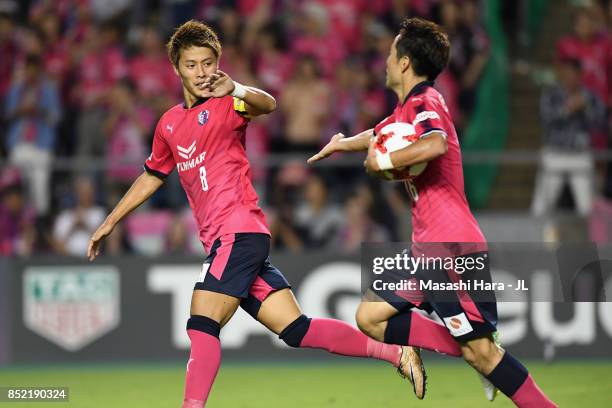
x,y
74,226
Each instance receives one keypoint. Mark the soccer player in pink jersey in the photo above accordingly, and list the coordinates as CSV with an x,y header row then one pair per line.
x,y
440,214
204,138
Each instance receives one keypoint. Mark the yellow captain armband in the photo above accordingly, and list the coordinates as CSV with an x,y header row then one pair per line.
x,y
240,106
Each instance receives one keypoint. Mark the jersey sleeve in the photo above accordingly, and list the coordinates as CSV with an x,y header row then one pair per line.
x,y
426,115
161,162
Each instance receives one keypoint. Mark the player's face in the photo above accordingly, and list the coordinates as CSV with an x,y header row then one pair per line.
x,y
195,65
393,67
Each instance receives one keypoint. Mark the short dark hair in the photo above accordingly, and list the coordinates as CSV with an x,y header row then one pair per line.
x,y
426,44
192,34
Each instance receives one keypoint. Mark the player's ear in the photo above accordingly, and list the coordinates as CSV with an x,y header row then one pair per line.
x,y
405,63
175,68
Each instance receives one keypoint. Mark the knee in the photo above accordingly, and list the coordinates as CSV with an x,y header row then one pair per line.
x,y
295,332
203,324
482,354
367,323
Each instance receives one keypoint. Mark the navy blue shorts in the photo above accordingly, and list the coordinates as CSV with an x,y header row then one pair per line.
x,y
467,313
239,265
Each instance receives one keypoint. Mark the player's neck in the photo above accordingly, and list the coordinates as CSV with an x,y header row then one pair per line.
x,y
407,85
189,99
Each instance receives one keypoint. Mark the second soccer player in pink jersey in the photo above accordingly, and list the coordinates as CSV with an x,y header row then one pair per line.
x,y
442,221
204,139
440,212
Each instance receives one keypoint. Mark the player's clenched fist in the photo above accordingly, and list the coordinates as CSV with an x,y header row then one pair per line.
x,y
334,145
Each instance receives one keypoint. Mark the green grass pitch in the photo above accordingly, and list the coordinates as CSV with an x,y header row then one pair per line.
x,y
316,385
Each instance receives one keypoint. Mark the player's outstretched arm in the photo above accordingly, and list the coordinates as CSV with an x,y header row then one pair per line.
x,y
339,143
257,102
423,150
139,192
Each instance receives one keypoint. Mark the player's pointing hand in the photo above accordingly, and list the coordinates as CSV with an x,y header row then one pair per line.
x,y
218,85
93,250
334,145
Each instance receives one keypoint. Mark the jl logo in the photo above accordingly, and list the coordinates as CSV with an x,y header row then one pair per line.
x,y
71,306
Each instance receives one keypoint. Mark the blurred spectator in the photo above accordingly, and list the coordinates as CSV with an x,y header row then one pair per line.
x,y
358,226
273,65
476,48
126,128
371,193
101,64
235,62
448,82
258,136
316,219
346,99
30,43
73,227
345,17
371,104
256,14
32,112
117,243
377,42
316,38
592,49
469,56
17,219
55,54
230,27
285,195
157,84
305,104
77,22
569,114
8,50
177,236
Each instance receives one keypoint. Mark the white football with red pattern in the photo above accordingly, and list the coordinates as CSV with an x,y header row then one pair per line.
x,y
393,137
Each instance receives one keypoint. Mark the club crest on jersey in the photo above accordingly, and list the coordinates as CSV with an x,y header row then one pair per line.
x,y
203,117
187,152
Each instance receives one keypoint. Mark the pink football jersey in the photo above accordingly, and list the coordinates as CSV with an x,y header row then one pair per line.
x,y
206,144
440,211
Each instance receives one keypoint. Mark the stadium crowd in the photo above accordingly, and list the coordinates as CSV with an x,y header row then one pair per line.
x,y
83,82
